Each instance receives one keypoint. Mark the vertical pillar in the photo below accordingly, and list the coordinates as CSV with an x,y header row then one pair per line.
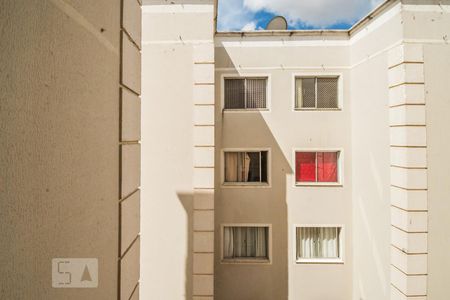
x,y
130,149
408,173
203,177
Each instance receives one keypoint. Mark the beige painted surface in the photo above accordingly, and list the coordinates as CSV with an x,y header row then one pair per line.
x,y
437,68
168,137
360,130
166,170
282,205
371,155
59,136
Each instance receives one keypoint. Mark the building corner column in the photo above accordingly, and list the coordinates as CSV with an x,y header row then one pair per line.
x,y
203,171
130,150
408,165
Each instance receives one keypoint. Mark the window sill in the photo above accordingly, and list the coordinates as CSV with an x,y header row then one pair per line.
x,y
245,110
337,261
317,109
247,261
245,185
318,184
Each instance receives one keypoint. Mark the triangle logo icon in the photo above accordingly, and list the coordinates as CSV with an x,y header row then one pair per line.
x,y
86,275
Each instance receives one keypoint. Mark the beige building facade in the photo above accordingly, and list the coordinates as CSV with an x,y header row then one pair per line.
x,y
195,164
388,202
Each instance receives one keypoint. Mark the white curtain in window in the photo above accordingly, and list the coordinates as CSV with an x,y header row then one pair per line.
x,y
245,242
298,93
317,242
237,166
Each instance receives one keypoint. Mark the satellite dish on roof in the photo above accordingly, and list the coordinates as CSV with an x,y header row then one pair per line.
x,y
277,23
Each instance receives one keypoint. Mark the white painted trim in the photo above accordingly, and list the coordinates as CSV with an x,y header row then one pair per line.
x,y
281,67
340,260
248,42
427,41
340,174
319,74
179,42
242,76
243,260
177,8
227,185
371,56
439,8
376,23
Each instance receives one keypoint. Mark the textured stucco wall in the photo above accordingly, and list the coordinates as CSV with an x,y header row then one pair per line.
x,y
371,155
173,67
59,130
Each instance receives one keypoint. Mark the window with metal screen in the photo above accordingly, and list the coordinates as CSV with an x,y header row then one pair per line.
x,y
245,93
318,243
316,167
246,167
316,92
245,242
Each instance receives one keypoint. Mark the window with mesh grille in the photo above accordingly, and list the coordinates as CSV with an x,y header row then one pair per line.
x,y
316,92
245,93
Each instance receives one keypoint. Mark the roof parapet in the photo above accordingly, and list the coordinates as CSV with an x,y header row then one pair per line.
x,y
321,32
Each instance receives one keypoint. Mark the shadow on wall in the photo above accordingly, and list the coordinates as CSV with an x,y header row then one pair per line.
x,y
187,200
252,205
264,205
247,205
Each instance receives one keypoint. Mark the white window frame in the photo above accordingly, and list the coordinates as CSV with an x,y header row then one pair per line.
x,y
247,261
243,76
340,260
340,165
340,92
246,184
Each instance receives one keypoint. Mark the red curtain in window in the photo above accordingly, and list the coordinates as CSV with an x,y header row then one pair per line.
x,y
305,169
327,166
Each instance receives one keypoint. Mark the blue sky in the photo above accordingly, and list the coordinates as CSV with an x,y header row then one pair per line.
x,y
247,15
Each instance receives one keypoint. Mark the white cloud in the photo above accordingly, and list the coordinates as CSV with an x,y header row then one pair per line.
x,y
233,15
317,13
237,14
249,26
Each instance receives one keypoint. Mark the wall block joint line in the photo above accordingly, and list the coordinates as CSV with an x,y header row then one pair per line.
x,y
408,171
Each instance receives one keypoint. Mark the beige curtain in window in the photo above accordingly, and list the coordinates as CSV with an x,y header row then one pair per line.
x,y
228,244
237,166
317,242
245,242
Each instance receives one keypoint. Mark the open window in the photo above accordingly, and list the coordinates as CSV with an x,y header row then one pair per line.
x,y
246,167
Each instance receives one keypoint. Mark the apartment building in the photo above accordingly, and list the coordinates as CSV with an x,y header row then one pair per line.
x,y
301,164
195,164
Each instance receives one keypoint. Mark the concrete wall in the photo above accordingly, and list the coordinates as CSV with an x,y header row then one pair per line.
x,y
70,129
59,137
371,154
177,91
282,205
437,68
